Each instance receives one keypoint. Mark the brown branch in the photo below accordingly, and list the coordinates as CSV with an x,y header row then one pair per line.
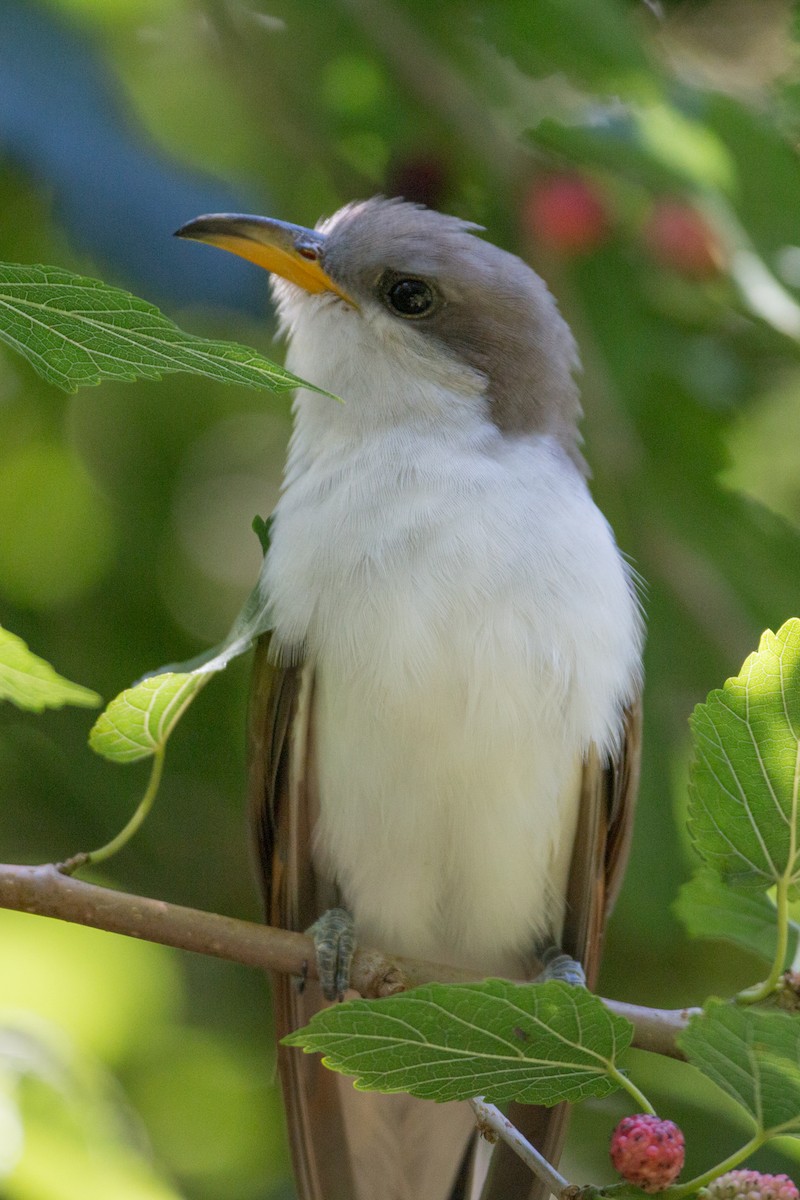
x,y
47,892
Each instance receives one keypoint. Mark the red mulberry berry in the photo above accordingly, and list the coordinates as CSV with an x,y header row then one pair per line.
x,y
648,1152
566,213
680,238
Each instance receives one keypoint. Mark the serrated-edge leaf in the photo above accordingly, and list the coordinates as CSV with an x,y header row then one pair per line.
x,y
745,777
31,683
138,721
753,1056
76,331
709,908
537,1043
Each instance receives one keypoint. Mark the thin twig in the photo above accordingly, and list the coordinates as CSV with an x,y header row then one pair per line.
x,y
492,1120
45,891
126,833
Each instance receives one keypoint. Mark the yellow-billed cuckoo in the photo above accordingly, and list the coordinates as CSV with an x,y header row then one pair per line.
x,y
445,722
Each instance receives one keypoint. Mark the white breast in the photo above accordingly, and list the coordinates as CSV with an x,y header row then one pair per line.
x,y
473,630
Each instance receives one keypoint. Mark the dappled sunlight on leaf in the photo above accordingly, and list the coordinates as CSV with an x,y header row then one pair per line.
x,y
139,721
745,780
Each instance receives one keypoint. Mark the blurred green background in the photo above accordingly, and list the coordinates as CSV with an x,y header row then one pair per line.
x,y
644,158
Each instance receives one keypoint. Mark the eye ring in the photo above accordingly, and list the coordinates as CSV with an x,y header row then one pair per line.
x,y
409,297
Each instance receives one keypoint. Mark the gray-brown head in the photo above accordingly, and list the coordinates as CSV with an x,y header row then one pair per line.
x,y
467,298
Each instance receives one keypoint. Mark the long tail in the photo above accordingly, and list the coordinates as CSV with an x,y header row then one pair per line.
x,y
349,1145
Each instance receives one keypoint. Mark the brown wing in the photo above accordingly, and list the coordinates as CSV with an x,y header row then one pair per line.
x,y
602,841
282,807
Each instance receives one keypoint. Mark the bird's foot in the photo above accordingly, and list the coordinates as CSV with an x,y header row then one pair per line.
x,y
335,944
558,965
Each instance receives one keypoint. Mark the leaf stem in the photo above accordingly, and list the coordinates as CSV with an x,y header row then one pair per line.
x,y
491,1119
762,991
701,1181
630,1087
127,832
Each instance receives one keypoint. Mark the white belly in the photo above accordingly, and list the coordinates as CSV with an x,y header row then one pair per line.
x,y
447,820
472,630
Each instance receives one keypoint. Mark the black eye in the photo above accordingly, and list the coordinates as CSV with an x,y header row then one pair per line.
x,y
410,297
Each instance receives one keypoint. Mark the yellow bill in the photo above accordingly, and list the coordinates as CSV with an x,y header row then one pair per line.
x,y
291,251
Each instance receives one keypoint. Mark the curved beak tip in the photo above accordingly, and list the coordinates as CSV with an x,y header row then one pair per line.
x,y
200,228
287,250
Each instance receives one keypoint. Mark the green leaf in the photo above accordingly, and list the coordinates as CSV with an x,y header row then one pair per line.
x,y
710,909
262,528
30,682
754,1057
655,145
251,621
139,721
537,1043
745,778
615,146
76,331
593,44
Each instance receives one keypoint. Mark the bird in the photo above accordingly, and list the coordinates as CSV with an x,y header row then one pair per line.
x,y
445,716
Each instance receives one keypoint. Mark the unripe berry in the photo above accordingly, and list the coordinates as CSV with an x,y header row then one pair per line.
x,y
679,237
647,1151
751,1185
566,213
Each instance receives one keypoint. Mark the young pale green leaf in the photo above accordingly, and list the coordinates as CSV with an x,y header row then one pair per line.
x,y
30,682
252,620
139,721
76,331
537,1043
752,1055
745,778
708,908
